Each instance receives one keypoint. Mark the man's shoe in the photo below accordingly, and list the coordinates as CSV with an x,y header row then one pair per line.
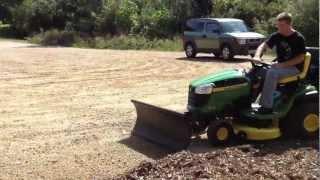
x,y
263,110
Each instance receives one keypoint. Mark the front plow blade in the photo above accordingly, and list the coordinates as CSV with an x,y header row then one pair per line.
x,y
162,126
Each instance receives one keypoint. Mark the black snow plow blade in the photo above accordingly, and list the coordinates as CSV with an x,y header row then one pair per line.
x,y
162,126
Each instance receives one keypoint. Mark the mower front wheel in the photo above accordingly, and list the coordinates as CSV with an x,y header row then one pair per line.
x,y
219,132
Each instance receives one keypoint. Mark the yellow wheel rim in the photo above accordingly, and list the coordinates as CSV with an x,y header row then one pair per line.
x,y
311,122
222,134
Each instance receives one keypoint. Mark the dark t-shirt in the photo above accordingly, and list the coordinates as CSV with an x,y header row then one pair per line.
x,y
287,47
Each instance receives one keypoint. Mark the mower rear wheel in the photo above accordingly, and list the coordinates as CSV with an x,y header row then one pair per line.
x,y
219,132
302,121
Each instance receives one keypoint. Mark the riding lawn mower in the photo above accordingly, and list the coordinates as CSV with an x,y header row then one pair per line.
x,y
224,106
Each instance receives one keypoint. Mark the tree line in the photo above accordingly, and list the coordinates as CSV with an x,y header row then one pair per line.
x,y
151,18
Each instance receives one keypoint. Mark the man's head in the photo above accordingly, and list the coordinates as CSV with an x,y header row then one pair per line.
x,y
284,22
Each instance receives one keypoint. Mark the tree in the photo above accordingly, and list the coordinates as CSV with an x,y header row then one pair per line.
x,y
126,16
154,19
306,19
78,15
5,7
42,15
202,8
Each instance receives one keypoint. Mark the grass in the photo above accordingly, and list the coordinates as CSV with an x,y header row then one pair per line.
x,y
63,38
6,31
12,39
131,42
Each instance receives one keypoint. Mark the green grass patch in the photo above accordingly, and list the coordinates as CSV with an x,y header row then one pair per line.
x,y
55,38
6,31
131,42
64,38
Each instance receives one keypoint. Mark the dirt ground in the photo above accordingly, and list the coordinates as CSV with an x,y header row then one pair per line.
x,y
65,113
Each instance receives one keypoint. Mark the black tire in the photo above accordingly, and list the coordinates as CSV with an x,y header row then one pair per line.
x,y
302,121
227,52
217,55
219,132
190,50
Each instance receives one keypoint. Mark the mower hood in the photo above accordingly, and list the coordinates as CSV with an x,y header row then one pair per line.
x,y
214,77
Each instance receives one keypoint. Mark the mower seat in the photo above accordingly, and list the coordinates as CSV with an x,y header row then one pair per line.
x,y
301,75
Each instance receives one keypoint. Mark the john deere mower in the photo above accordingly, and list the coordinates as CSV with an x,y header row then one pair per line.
x,y
223,105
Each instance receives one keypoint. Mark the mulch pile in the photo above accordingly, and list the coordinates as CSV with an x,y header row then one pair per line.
x,y
275,160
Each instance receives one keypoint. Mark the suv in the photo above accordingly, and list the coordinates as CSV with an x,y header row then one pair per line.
x,y
224,37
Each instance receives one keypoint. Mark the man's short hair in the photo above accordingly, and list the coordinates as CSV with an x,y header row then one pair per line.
x,y
284,16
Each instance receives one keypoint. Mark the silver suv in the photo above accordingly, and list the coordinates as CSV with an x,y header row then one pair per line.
x,y
225,37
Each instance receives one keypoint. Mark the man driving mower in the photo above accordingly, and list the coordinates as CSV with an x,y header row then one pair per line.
x,y
223,104
290,49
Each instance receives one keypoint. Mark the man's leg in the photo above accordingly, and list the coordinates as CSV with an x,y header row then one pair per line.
x,y
272,77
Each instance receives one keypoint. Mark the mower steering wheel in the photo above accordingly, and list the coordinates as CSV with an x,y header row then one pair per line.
x,y
256,63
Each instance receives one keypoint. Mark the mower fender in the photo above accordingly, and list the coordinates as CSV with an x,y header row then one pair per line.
x,y
308,96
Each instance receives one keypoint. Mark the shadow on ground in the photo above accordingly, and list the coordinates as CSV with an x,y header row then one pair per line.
x,y
201,145
147,148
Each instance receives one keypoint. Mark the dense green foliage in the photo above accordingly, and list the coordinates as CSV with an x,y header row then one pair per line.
x,y
306,19
150,19
5,7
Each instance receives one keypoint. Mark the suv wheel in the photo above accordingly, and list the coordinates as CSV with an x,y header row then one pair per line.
x,y
226,52
217,55
190,51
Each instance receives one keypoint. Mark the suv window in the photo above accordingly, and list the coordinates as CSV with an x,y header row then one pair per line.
x,y
212,28
196,26
234,26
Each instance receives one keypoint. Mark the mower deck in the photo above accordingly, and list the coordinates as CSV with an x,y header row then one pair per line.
x,y
257,134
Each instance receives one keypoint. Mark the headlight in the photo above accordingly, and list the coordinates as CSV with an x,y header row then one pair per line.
x,y
204,89
241,41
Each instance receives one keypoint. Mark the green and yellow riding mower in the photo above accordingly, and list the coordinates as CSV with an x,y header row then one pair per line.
x,y
224,104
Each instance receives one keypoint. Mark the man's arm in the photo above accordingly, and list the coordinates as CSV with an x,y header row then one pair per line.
x,y
260,50
294,61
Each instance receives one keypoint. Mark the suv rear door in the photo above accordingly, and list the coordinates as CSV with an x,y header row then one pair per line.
x,y
212,32
195,31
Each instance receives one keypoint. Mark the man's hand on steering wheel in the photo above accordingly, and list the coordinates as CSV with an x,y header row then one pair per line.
x,y
257,61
